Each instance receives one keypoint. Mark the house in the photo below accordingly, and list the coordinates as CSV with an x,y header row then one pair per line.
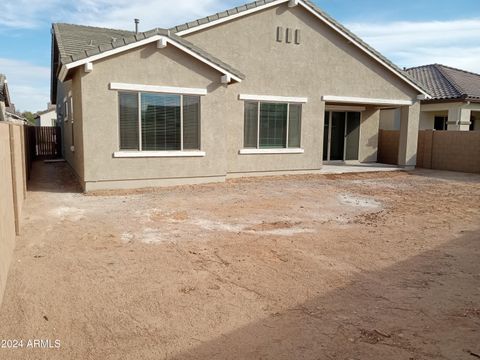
x,y
7,108
270,87
4,98
455,102
47,117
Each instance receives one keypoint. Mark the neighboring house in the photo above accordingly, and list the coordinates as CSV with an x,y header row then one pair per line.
x,y
271,87
7,108
455,102
4,98
47,117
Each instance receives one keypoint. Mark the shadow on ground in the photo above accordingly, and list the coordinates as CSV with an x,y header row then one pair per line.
x,y
53,177
427,307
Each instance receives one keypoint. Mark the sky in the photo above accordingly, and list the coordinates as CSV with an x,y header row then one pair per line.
x,y
408,32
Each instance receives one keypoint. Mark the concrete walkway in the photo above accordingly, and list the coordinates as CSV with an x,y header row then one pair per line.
x,y
356,167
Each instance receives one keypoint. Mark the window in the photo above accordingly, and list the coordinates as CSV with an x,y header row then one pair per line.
x,y
272,125
440,122
159,122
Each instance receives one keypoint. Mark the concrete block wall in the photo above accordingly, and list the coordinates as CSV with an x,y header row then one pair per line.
x,y
440,150
12,193
456,151
388,141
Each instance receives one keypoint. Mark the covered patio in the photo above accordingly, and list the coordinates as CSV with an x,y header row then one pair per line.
x,y
351,131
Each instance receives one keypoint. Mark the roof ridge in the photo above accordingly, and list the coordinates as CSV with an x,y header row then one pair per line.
x,y
457,69
92,27
450,79
251,5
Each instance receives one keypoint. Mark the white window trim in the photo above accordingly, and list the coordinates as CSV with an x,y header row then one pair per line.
x,y
158,154
271,151
258,150
167,153
157,89
270,98
366,101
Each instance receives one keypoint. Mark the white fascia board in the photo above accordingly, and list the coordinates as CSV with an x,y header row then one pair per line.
x,y
271,151
201,58
345,108
63,73
365,101
362,47
113,52
231,17
157,89
142,43
282,99
158,154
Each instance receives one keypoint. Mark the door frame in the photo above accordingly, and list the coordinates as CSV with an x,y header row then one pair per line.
x,y
345,110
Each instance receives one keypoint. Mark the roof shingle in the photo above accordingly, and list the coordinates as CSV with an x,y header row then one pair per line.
x,y
77,42
444,82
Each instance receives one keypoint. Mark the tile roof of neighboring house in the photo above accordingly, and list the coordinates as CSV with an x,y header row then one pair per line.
x,y
255,4
77,42
444,82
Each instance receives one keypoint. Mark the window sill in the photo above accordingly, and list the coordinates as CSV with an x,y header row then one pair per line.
x,y
271,151
158,154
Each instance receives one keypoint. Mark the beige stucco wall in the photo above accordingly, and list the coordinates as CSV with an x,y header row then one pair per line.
x,y
149,66
323,64
369,127
12,192
7,217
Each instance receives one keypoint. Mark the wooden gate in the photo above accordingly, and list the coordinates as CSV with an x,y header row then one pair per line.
x,y
45,142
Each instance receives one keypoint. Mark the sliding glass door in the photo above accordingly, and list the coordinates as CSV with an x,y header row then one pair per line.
x,y
341,136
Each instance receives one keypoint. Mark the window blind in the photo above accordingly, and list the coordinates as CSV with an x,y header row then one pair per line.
x,y
128,121
251,125
160,122
294,127
273,125
191,122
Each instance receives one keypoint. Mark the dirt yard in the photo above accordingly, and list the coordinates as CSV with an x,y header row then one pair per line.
x,y
367,266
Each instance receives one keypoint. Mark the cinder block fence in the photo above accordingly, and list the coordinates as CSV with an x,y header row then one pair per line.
x,y
440,150
13,190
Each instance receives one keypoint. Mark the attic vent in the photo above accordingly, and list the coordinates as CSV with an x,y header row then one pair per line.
x,y
289,35
298,37
90,43
279,34
114,39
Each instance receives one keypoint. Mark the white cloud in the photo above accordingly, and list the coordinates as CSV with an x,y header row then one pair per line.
x,y
28,14
454,43
29,84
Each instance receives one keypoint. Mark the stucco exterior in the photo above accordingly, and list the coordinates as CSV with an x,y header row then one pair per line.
x,y
322,64
48,118
462,116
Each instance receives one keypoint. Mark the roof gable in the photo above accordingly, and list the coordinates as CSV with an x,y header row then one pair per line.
x,y
209,21
444,82
77,49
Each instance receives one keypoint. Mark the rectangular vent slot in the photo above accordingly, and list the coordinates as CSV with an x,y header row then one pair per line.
x,y
298,37
289,35
279,34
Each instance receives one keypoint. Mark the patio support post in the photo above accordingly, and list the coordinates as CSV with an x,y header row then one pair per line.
x,y
409,126
459,118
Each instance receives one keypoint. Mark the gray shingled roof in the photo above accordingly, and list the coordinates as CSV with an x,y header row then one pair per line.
x,y
252,5
444,82
77,42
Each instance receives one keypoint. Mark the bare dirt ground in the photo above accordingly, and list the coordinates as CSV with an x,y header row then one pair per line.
x,y
366,266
